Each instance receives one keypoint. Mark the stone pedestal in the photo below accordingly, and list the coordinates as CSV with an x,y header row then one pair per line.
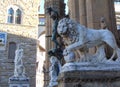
x,y
19,82
90,75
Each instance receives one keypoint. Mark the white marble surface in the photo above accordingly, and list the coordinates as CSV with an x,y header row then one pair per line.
x,y
86,66
19,70
54,70
78,37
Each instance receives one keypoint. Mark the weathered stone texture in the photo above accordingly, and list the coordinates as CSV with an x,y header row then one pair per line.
x,y
90,78
29,59
24,34
29,11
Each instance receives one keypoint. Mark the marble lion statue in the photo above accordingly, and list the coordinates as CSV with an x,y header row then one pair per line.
x,y
78,37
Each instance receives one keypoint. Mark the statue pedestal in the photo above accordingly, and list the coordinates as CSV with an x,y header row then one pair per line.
x,y
89,75
19,82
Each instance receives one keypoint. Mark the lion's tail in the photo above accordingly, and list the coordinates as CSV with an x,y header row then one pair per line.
x,y
113,55
117,51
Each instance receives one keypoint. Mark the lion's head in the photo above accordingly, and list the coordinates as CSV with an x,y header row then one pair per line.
x,y
65,25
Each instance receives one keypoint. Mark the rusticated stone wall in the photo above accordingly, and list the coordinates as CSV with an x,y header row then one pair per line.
x,y
29,10
24,34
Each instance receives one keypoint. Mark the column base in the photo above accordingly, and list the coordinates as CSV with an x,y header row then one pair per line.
x,y
19,82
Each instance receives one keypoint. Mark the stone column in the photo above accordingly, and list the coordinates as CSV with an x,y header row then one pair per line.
x,y
95,10
112,19
82,12
71,8
74,9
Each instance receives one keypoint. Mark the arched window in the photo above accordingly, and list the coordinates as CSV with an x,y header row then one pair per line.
x,y
12,49
10,15
14,14
18,16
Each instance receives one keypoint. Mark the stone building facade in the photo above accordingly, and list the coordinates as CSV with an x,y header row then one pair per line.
x,y
19,23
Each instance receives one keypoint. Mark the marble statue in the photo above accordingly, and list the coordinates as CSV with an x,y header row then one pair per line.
x,y
103,23
78,37
55,17
19,78
54,69
69,57
19,70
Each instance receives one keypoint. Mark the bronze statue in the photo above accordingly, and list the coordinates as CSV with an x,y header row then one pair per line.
x,y
55,17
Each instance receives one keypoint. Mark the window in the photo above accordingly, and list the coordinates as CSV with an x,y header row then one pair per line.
x,y
117,1
118,27
12,49
18,17
41,21
10,15
14,15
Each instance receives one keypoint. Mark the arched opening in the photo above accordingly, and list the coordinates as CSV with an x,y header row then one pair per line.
x,y
18,16
12,49
10,15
